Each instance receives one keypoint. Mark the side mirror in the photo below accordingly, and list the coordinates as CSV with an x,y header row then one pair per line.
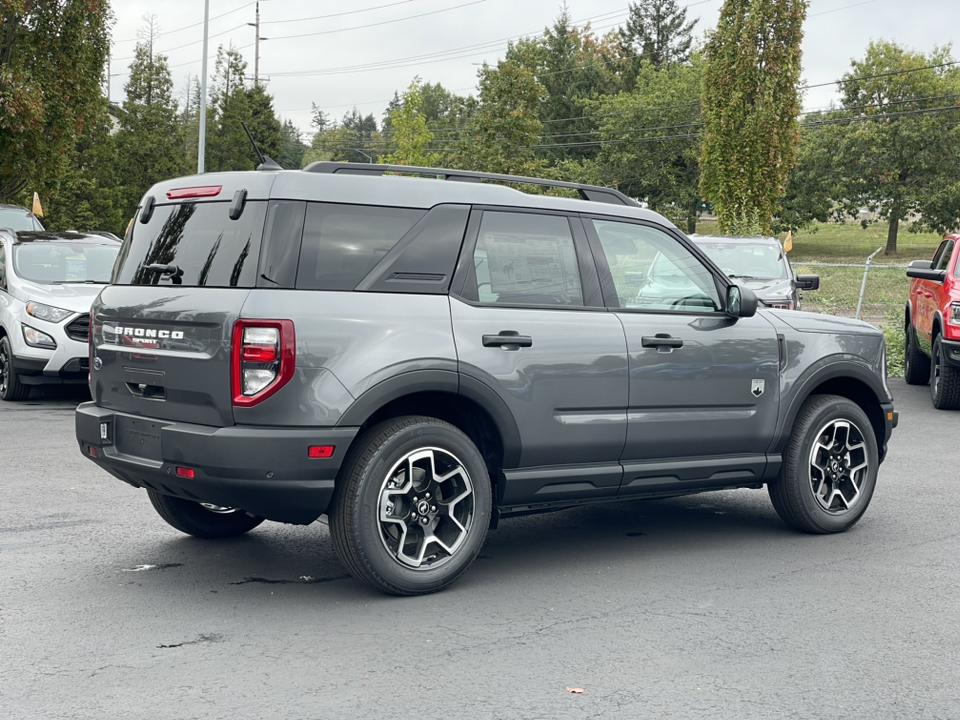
x,y
741,301
921,269
808,282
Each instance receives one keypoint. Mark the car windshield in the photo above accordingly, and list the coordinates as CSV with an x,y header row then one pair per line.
x,y
753,261
18,219
68,262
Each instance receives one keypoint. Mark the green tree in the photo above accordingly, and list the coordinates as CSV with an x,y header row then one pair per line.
x,y
150,141
52,56
292,147
898,139
656,33
228,147
89,195
263,122
410,136
750,107
651,140
507,125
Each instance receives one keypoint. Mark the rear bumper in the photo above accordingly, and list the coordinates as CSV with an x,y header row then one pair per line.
x,y
265,471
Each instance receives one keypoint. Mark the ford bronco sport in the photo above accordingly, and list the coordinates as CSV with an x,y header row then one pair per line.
x,y
419,352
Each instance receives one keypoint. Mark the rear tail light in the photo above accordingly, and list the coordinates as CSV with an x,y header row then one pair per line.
x,y
263,358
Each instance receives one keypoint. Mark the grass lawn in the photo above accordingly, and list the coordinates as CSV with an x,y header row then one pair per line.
x,y
850,243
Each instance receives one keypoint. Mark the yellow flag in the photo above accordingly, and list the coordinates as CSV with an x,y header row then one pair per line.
x,y
788,243
37,207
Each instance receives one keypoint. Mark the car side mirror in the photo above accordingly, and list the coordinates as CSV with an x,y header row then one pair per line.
x,y
808,282
922,269
741,302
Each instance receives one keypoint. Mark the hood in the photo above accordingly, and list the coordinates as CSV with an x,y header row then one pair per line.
x,y
769,289
77,297
816,323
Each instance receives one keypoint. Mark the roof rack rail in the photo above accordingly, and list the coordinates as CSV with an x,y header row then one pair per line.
x,y
586,192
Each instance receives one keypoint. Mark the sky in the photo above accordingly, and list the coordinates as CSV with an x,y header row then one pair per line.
x,y
341,55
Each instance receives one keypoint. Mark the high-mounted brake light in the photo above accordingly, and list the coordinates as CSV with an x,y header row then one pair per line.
x,y
194,192
263,356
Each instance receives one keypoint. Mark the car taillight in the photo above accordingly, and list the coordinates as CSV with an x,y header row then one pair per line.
x,y
263,357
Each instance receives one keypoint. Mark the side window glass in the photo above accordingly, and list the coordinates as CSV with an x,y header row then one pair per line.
x,y
523,259
945,255
342,243
938,255
654,271
3,268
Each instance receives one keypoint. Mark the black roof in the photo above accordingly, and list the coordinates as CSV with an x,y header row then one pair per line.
x,y
93,238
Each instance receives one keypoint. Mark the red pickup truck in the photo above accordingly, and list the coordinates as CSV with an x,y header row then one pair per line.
x,y
932,324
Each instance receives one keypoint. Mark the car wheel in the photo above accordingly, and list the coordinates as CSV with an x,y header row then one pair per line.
x,y
412,506
829,469
202,520
916,365
10,386
944,379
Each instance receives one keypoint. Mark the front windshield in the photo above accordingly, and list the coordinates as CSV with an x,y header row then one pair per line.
x,y
50,262
18,220
753,261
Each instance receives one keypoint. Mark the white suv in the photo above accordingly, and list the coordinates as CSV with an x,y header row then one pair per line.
x,y
48,281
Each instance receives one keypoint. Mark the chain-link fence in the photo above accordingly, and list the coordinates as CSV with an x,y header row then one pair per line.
x,y
877,290
874,292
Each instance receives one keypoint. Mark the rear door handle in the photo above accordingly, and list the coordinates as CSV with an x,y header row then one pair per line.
x,y
660,340
508,339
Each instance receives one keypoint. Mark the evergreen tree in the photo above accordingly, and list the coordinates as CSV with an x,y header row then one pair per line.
x,y
52,57
263,122
150,141
658,33
750,107
228,147
292,147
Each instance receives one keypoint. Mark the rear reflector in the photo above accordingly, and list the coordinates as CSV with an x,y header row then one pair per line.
x,y
93,452
320,452
194,192
183,472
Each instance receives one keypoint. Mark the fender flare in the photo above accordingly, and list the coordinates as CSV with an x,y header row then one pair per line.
x,y
445,381
823,370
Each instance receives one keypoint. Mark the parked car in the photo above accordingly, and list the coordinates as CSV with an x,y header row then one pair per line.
x,y
16,218
47,283
418,358
932,324
761,264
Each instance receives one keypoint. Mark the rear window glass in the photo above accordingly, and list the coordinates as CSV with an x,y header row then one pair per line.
x,y
58,263
200,241
342,243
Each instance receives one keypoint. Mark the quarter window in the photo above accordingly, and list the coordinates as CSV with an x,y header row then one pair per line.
x,y
654,271
524,259
342,243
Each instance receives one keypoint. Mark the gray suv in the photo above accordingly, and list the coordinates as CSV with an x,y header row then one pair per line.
x,y
417,358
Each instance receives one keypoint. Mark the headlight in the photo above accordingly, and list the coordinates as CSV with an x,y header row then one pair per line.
x,y
47,312
35,338
954,317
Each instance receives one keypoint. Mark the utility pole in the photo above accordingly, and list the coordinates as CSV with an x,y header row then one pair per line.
x,y
202,148
256,50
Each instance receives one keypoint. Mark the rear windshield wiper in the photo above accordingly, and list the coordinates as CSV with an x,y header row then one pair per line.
x,y
172,271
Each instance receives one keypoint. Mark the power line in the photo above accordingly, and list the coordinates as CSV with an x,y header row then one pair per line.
x,y
188,27
339,14
376,24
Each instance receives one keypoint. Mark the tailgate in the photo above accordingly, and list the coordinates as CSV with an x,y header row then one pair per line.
x,y
164,352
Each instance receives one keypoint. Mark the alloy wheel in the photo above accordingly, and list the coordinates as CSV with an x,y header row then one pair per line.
x,y
838,466
426,508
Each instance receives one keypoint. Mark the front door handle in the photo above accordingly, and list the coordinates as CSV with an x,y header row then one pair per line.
x,y
660,340
508,339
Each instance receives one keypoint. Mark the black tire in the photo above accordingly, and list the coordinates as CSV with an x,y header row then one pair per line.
x,y
794,496
194,519
375,508
916,365
944,379
11,389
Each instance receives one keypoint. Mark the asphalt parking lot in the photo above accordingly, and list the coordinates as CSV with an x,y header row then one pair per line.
x,y
699,607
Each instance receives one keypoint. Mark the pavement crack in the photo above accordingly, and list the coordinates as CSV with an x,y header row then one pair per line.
x,y
200,639
302,580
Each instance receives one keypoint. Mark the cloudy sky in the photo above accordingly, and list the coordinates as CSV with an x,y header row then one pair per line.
x,y
345,54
